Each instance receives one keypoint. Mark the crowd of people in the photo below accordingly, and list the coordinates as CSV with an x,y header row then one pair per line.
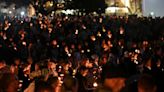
x,y
70,53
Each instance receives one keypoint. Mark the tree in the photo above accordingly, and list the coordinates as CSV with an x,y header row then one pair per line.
x,y
44,6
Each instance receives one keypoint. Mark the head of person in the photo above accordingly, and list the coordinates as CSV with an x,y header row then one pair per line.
x,y
29,60
115,78
83,71
146,84
42,86
2,63
17,61
54,83
8,83
69,84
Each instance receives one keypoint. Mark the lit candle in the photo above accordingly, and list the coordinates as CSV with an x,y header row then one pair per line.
x,y
95,84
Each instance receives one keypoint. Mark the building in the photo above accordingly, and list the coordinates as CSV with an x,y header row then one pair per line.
x,y
120,7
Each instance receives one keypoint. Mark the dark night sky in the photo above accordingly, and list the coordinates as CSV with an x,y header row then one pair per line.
x,y
18,2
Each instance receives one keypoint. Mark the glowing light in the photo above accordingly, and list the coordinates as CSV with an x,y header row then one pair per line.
x,y
24,43
99,34
48,4
22,13
60,67
15,48
88,50
76,31
51,4
20,85
10,12
93,38
152,13
74,71
111,9
61,75
126,3
9,24
100,20
109,34
103,29
69,55
59,78
135,61
21,21
121,30
137,51
83,26
4,37
68,11
82,51
114,9
95,84
20,81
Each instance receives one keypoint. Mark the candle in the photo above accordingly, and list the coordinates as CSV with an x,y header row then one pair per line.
x,y
95,84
